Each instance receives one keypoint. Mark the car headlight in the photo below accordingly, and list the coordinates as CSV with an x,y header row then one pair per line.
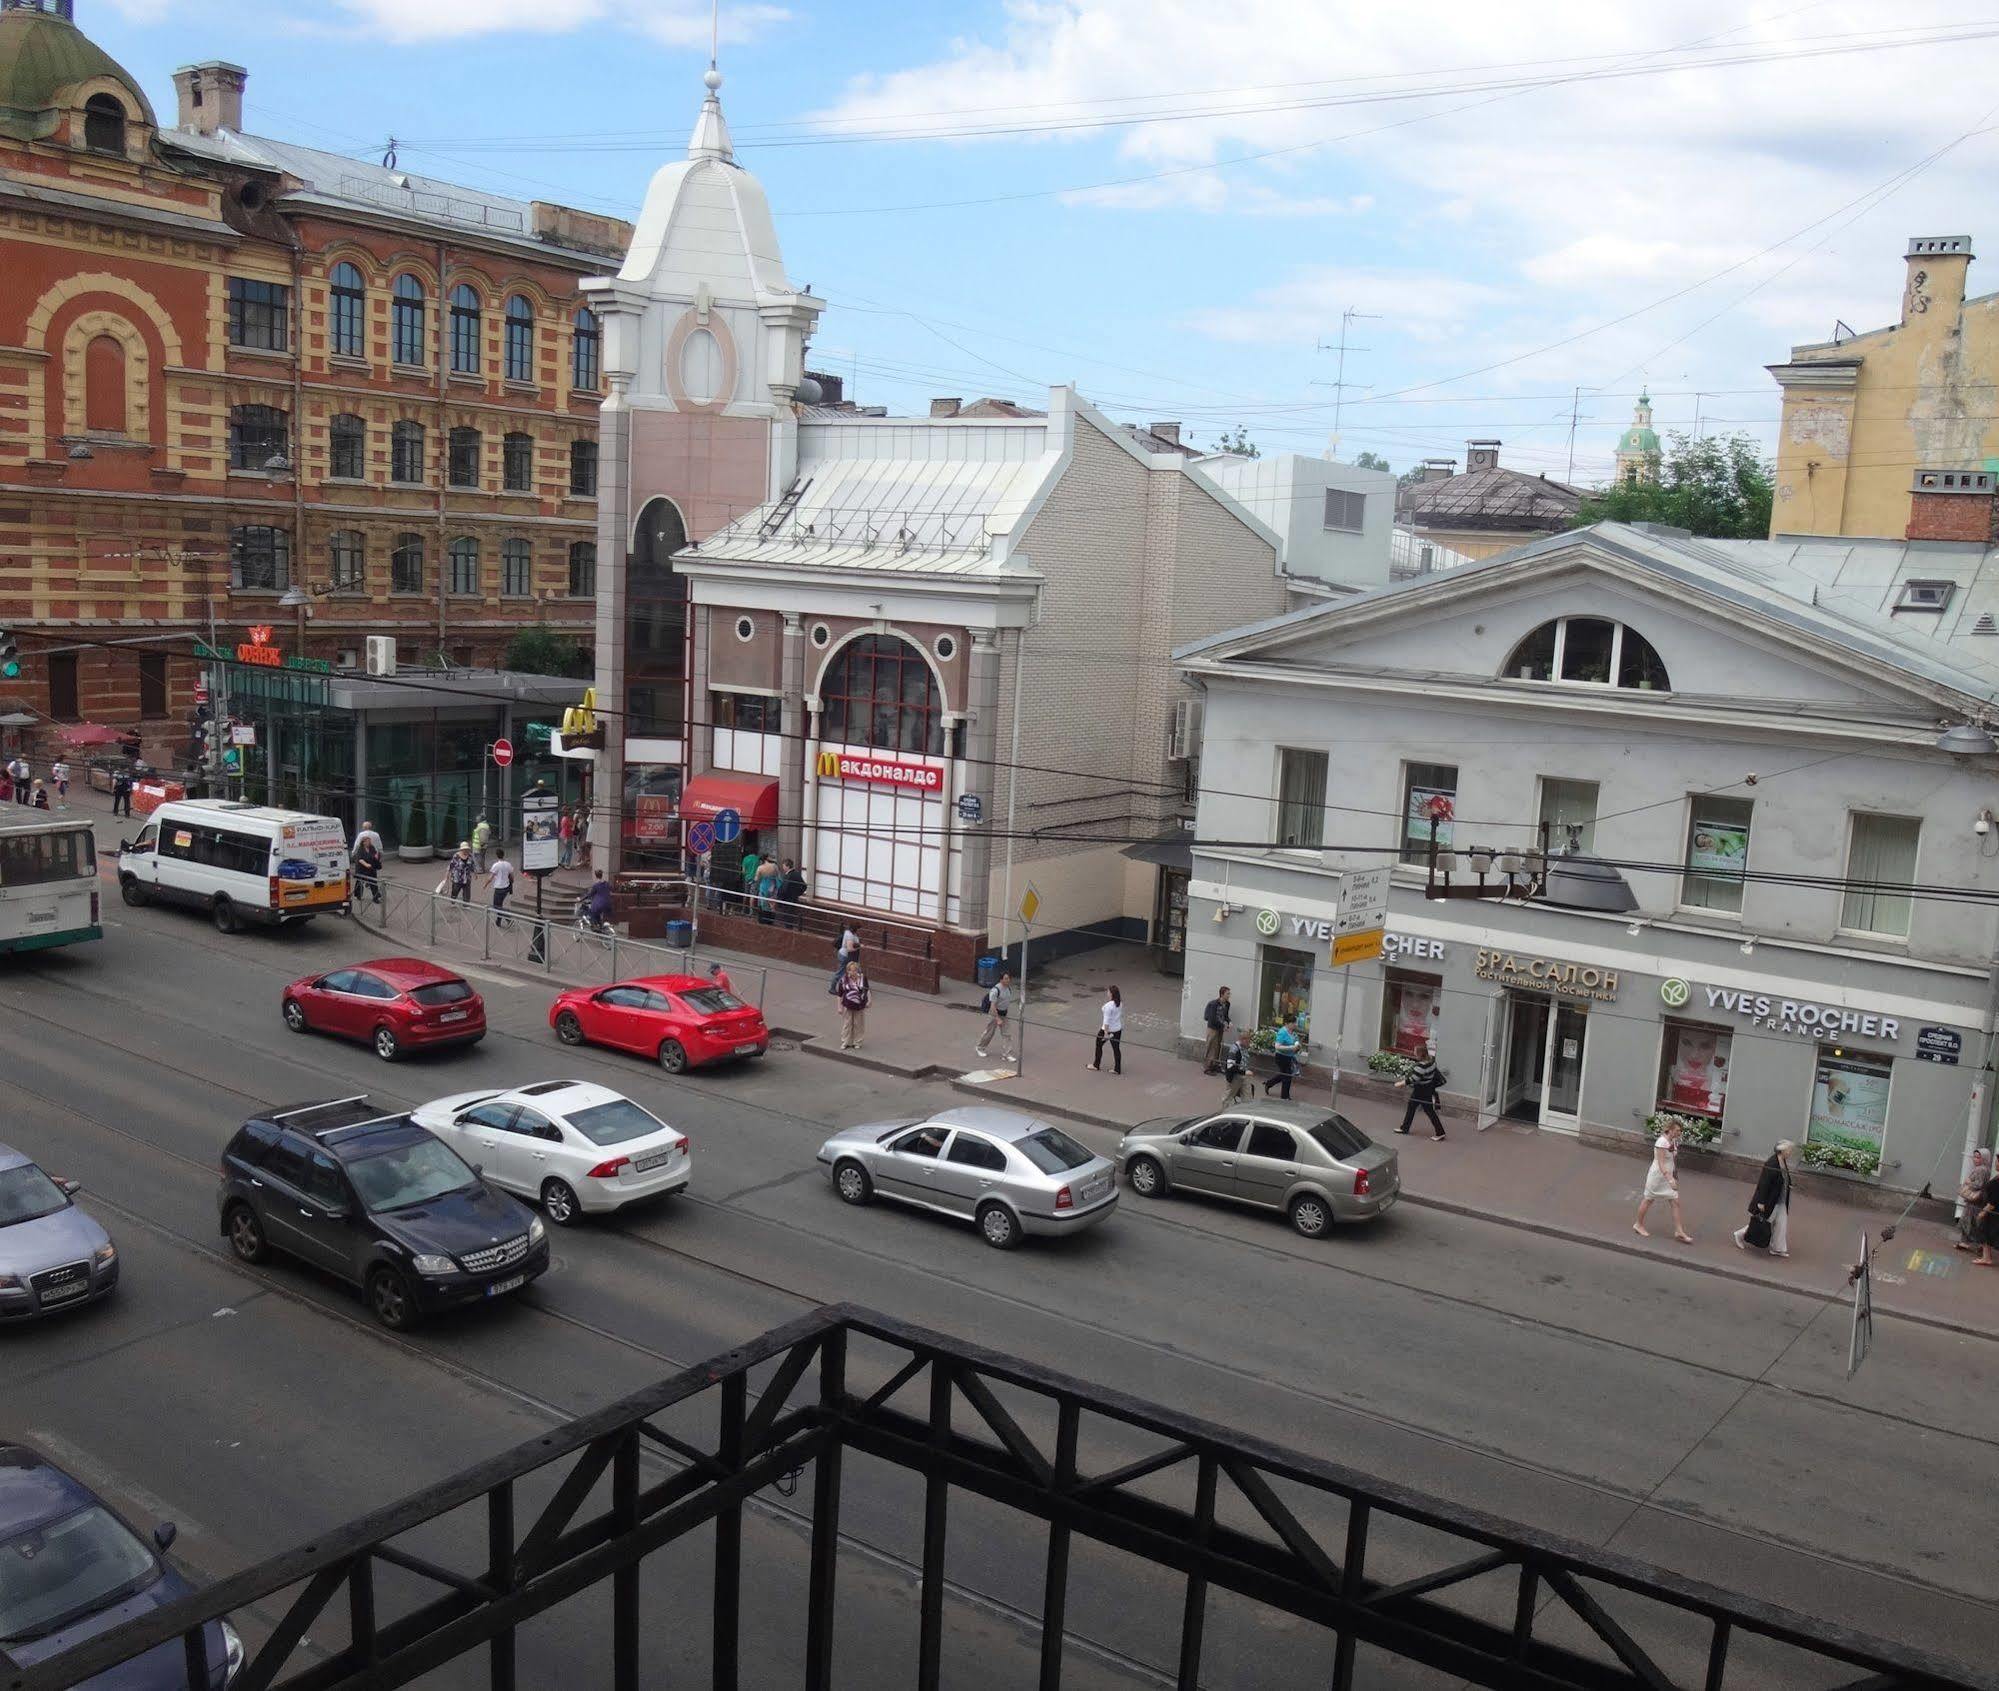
x,y
11,1283
536,1232
433,1265
105,1255
232,1653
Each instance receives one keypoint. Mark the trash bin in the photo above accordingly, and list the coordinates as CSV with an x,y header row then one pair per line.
x,y
679,934
989,971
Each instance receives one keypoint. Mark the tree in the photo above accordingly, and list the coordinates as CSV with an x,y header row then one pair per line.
x,y
1718,487
1239,443
542,651
1369,461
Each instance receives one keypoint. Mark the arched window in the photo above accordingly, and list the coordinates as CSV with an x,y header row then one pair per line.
x,y
1591,651
516,569
256,437
406,451
347,323
582,569
408,342
463,458
346,447
520,339
104,124
406,564
656,625
583,468
465,330
517,463
880,691
586,361
345,552
462,555
104,385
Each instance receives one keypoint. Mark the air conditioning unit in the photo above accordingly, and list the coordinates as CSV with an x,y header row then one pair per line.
x,y
1183,742
381,654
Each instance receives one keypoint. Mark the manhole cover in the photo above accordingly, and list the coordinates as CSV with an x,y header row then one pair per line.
x,y
784,1045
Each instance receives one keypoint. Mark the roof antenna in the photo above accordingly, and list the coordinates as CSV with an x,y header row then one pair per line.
x,y
714,32
389,156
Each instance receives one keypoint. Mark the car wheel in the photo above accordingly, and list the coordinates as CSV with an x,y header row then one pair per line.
x,y
1310,1216
851,1181
1147,1178
672,1056
568,1029
387,1046
132,892
246,1234
558,1202
1000,1226
389,1297
224,914
294,1015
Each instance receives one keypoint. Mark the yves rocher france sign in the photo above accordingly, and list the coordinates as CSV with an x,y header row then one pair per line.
x,y
847,766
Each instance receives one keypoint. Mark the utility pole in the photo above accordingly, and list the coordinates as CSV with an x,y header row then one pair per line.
x,y
1575,408
1348,318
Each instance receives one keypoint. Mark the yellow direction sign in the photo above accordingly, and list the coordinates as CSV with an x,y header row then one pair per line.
x,y
1030,903
1357,948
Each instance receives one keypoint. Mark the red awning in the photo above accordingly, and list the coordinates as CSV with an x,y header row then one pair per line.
x,y
754,796
92,734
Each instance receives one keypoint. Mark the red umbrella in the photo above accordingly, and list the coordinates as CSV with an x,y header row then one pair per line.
x,y
91,734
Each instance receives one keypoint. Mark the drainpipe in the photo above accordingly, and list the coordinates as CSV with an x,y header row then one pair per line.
x,y
1980,1106
1012,791
297,442
443,434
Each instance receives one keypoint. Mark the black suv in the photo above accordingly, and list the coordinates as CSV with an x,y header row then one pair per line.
x,y
378,1201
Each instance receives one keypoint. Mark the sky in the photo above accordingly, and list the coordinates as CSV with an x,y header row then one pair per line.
x,y
1174,205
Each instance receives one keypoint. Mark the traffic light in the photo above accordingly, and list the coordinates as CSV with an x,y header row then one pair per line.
x,y
10,654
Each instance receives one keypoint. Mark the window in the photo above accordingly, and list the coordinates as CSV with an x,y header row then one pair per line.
x,y
1590,650
46,856
1717,853
1284,987
1693,1070
347,321
880,691
1880,859
344,554
1925,595
1849,1119
583,468
260,558
516,569
517,463
406,564
347,448
463,554
520,339
1053,1151
582,569
1223,1135
656,625
1340,1137
1429,808
288,1160
1271,1142
752,713
463,459
104,385
1301,798
407,340
1410,1007
1345,511
323,1184
258,314
62,686
1568,808
152,684
924,1142
103,124
406,452
256,436
974,1152
464,330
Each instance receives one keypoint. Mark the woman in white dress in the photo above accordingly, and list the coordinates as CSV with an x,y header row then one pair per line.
x,y
1662,1180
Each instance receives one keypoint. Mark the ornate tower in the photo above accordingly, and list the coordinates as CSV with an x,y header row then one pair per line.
x,y
1638,446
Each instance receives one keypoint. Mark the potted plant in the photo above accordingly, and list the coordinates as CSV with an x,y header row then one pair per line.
x,y
1394,1064
1842,1159
415,847
1697,1133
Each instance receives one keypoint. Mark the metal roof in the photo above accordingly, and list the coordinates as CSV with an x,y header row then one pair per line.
x,y
1493,499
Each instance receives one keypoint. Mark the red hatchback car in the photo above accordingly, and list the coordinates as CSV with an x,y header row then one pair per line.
x,y
397,1004
685,1021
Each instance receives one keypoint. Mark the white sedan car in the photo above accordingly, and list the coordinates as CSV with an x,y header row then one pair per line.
x,y
571,1144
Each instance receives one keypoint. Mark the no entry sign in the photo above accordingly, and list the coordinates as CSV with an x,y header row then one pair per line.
x,y
503,752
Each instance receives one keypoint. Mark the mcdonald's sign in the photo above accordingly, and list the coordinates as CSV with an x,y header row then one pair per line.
x,y
579,724
842,766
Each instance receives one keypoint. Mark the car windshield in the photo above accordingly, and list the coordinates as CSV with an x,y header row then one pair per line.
x,y
409,1174
1341,1137
61,1569
441,992
615,1122
1053,1151
26,1193
711,1001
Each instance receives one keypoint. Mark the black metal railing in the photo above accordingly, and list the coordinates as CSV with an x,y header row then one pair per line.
x,y
1379,1567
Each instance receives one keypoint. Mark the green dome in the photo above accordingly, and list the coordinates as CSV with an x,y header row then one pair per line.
x,y
1639,442
42,56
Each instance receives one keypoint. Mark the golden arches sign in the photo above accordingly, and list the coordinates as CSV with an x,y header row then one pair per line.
x,y
829,766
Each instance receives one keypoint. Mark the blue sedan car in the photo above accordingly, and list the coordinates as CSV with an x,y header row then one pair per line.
x,y
70,1569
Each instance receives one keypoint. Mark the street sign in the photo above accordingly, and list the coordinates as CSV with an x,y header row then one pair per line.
x,y
971,808
1862,1334
728,826
1357,948
201,692
1360,929
503,752
1939,1045
1030,903
700,839
242,733
541,846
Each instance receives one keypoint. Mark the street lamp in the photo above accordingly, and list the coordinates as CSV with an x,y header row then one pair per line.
x,y
1966,739
296,598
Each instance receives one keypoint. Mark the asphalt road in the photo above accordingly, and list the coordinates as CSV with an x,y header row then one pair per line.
x,y
1689,1420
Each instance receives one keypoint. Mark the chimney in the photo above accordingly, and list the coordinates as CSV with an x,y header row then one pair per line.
x,y
1935,286
211,96
945,407
1954,505
1166,431
1481,455
1439,469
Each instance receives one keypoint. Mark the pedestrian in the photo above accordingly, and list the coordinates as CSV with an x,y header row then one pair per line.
x,y
366,860
582,831
1769,1223
1110,1027
719,976
1285,1048
1424,1081
565,831
791,895
17,773
998,1005
1235,1070
853,1007
1216,1018
121,793
482,841
752,862
40,797
458,873
365,835
1988,1222
59,773
1662,1180
848,949
766,890
1969,1189
501,879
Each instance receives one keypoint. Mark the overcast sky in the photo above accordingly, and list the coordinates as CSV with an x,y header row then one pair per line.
x,y
1524,199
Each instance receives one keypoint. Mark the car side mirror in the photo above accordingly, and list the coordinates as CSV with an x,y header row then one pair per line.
x,y
164,1535
124,845
480,1170
70,1187
1189,1138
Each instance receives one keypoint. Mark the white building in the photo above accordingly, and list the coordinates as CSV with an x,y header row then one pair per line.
x,y
1337,521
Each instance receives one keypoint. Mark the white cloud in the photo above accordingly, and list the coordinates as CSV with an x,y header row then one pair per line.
x,y
676,23
1421,306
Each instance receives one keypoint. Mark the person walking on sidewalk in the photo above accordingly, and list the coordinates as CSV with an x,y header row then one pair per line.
x,y
365,835
998,1006
501,879
1235,1070
1970,1191
844,953
853,1007
1988,1223
1216,1017
59,773
17,773
1769,1223
366,859
565,833
482,841
458,873
1285,1048
1662,1180
1424,1081
1111,1027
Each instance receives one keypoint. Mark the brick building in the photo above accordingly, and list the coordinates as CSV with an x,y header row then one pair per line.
x,y
230,365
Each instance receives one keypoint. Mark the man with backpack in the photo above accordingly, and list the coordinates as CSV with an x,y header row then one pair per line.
x,y
1217,1017
1235,1070
1424,1081
997,1005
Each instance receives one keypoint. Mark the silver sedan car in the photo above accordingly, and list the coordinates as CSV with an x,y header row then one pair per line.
x,y
52,1255
1316,1167
1009,1172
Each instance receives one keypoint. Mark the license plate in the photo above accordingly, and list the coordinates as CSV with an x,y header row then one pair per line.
x,y
1095,1190
1388,1199
62,1294
513,1283
652,1160
454,1015
746,1050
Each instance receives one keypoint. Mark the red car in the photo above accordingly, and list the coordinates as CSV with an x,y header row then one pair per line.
x,y
683,1020
397,1004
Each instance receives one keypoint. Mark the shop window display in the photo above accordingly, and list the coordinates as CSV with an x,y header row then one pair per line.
x,y
1411,1006
1284,987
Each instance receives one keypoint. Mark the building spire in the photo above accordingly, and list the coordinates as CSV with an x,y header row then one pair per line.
x,y
711,135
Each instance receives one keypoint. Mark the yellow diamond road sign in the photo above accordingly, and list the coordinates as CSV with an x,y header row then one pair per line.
x,y
1030,903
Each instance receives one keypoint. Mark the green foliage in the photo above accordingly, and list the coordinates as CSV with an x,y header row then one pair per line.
x,y
1395,1064
1850,1158
1239,443
542,651
1369,461
1696,1132
1718,487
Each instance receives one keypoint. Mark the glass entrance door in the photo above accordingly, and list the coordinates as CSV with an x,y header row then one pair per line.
x,y
1541,1078
1526,1056
1562,1096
